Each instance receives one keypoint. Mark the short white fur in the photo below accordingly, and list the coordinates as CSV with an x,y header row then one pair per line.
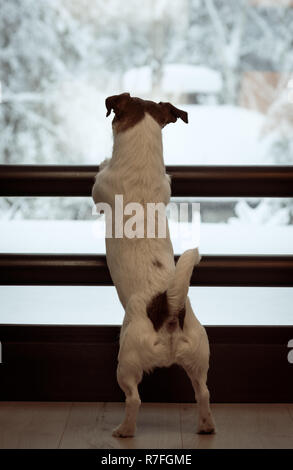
x,y
136,170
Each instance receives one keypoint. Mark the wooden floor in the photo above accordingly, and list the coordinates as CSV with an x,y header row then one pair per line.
x,y
32,425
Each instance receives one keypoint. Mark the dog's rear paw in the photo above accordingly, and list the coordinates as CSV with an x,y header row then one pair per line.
x,y
206,426
123,431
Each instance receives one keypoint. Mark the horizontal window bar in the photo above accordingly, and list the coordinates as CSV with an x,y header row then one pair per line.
x,y
60,269
197,181
223,334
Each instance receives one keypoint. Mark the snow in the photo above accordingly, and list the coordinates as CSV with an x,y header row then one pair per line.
x,y
74,236
262,214
184,78
215,135
84,127
67,305
138,80
176,78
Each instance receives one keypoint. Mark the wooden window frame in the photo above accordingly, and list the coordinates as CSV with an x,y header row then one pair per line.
x,y
49,362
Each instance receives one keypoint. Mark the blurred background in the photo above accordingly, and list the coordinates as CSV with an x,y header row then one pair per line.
x,y
229,63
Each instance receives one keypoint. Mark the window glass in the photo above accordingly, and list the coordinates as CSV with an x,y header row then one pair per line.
x,y
82,305
217,226
228,63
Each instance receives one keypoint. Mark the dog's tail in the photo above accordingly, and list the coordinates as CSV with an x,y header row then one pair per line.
x,y
178,288
168,307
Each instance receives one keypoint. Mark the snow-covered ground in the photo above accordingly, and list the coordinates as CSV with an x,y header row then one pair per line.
x,y
216,135
176,78
100,305
71,236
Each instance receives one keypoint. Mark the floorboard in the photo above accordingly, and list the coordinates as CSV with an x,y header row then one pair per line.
x,y
35,425
32,425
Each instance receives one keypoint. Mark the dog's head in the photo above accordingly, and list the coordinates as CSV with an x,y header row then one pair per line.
x,y
129,111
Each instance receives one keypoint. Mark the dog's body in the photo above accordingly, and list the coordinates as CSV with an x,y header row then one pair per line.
x,y
159,327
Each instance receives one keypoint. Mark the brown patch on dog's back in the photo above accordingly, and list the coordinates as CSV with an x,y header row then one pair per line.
x,y
158,313
157,310
157,263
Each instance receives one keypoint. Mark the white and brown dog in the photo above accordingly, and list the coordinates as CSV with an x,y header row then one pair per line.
x,y
159,327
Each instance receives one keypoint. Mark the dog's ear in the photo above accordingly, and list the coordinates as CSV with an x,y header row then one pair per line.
x,y
117,103
171,113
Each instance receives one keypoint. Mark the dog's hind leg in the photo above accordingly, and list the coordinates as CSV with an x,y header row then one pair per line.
x,y
206,423
128,379
196,367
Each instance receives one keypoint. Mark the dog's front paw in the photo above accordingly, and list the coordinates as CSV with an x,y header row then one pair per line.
x,y
206,425
123,431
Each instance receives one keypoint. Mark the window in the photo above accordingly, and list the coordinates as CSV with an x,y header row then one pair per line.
x,y
227,63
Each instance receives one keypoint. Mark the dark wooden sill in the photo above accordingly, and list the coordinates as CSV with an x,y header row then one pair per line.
x,y
248,364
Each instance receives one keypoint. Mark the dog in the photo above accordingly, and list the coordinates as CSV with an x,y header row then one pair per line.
x,y
159,327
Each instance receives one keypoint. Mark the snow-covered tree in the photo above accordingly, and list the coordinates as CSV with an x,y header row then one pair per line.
x,y
266,212
41,43
132,34
42,46
239,37
234,36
